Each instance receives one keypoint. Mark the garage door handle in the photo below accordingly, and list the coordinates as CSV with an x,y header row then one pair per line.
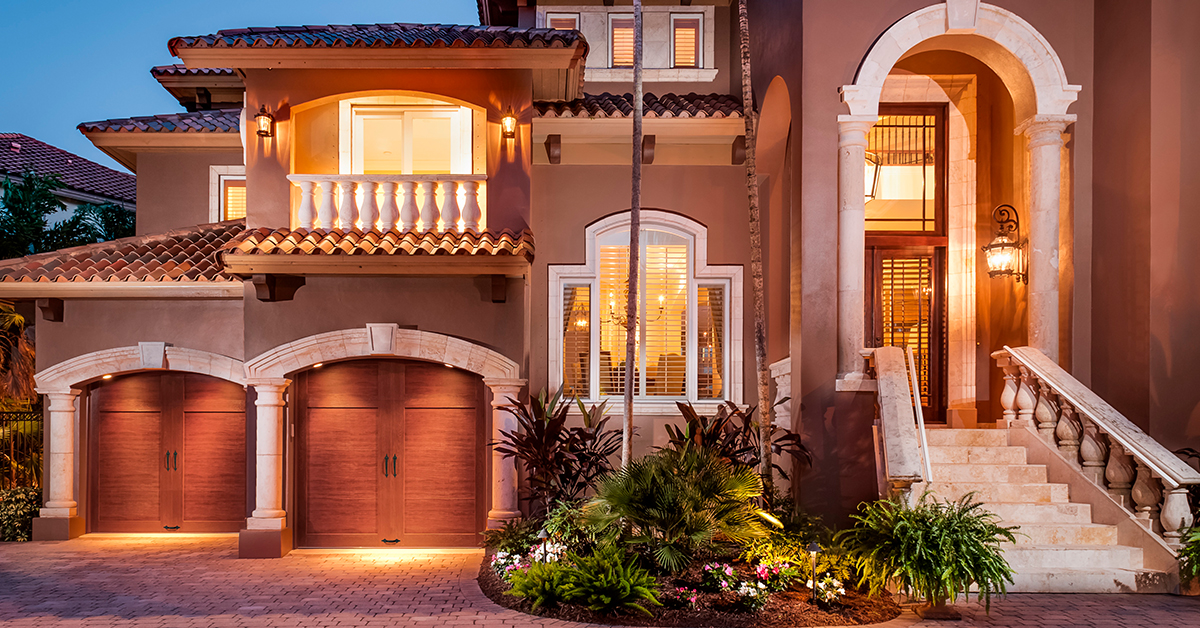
x,y
394,472
390,540
170,527
176,457
167,460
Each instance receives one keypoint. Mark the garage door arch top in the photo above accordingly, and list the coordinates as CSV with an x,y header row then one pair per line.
x,y
89,367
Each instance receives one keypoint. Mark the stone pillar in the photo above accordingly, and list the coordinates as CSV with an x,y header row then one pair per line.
x,y
59,520
504,471
852,149
267,534
1045,186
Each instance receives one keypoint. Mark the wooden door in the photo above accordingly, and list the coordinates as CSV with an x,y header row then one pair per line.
x,y
212,467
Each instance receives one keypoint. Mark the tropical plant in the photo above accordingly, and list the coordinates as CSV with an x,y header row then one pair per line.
x,y
26,204
1189,555
20,449
789,546
546,584
515,536
675,502
734,435
609,580
635,248
565,524
16,357
933,549
18,506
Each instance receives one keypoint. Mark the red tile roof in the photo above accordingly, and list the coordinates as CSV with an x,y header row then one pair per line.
x,y
382,36
608,105
179,69
266,241
20,152
215,121
180,255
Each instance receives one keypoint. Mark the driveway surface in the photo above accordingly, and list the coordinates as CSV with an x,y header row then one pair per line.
x,y
116,580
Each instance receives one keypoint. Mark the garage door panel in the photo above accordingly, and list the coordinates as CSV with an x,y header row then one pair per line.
x,y
214,471
209,394
440,465
128,476
344,385
138,393
435,386
343,471
440,516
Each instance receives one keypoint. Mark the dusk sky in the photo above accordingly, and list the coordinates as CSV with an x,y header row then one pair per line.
x,y
72,61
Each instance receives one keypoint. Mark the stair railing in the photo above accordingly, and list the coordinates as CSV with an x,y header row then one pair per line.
x,y
1040,396
915,395
900,438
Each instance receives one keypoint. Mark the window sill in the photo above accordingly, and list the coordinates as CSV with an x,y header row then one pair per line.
x,y
666,407
657,75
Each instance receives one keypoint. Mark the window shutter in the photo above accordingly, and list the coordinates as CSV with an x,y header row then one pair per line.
x,y
577,341
686,41
622,42
664,325
710,320
562,21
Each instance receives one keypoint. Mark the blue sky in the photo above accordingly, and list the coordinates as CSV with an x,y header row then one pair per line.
x,y
71,61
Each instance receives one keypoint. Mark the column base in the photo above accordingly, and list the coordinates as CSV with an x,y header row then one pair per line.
x,y
264,543
57,528
496,518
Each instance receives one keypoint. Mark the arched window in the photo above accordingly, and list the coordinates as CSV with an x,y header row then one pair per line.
x,y
688,327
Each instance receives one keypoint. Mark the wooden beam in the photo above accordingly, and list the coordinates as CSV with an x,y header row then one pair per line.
x,y
554,148
738,156
647,149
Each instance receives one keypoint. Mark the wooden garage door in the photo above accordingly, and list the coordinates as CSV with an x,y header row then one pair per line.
x,y
391,453
168,453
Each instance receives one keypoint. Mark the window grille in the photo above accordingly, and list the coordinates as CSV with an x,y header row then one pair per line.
x,y
902,174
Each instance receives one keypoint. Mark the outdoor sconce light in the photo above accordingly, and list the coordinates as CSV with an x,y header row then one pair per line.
x,y
265,122
813,550
508,125
1006,253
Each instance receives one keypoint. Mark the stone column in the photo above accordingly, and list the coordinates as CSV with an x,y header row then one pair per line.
x,y
504,472
268,484
852,148
1045,133
59,519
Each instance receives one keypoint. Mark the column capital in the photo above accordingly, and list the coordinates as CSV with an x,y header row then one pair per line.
x,y
61,399
502,388
269,385
852,129
1043,129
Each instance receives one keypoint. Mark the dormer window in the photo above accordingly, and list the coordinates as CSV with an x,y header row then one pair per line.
x,y
563,21
686,33
620,30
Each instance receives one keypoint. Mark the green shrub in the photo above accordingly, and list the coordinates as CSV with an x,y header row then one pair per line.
x,y
516,536
547,584
935,549
1189,555
675,502
565,524
18,507
789,546
609,581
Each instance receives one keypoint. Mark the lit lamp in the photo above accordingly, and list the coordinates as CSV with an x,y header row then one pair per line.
x,y
872,176
508,125
265,122
1005,254
813,550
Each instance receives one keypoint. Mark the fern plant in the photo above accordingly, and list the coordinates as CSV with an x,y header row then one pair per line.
x,y
546,584
933,549
1189,555
610,581
515,536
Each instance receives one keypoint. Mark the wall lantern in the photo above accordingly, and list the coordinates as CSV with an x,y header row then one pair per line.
x,y
508,125
1006,253
265,122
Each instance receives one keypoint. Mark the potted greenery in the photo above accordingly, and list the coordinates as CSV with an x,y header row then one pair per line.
x,y
933,550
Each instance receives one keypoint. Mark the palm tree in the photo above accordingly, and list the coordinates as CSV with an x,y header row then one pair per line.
x,y
16,357
756,262
635,225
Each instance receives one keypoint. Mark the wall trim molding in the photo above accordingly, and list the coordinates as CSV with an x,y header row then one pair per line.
x,y
145,356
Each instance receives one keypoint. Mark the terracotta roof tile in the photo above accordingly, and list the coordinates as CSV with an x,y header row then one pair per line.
x,y
382,36
179,69
266,241
215,121
608,105
20,152
181,255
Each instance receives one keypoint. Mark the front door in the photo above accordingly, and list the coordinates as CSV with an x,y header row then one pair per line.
x,y
390,454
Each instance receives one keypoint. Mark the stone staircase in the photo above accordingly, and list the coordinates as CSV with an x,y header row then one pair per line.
x,y
1059,549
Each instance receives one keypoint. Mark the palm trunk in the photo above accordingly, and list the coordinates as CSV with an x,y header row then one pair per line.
x,y
635,223
756,261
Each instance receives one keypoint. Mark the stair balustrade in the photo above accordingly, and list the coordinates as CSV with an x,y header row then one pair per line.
x,y
1136,470
442,202
900,444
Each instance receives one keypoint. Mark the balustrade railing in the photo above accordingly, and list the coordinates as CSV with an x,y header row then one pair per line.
x,y
443,202
1136,471
900,434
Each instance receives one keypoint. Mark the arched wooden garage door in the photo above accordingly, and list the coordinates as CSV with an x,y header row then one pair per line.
x,y
168,452
389,453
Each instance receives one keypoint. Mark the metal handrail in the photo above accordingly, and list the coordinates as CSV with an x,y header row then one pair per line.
x,y
920,414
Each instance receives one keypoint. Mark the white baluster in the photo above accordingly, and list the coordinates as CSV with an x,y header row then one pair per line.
x,y
1094,453
305,213
429,208
471,213
1068,432
369,212
450,211
348,208
388,212
1008,396
408,206
1146,496
1046,413
1119,474
326,212
1026,400
1176,515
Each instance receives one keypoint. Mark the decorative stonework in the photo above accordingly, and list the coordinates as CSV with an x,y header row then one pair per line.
x,y
86,368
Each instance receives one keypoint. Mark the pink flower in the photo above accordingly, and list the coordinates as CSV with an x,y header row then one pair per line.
x,y
728,570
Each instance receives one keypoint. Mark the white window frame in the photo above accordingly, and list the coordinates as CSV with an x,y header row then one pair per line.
x,y
217,175
609,35
699,39
551,15
728,276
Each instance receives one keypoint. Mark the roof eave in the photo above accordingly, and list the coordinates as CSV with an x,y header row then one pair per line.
x,y
432,58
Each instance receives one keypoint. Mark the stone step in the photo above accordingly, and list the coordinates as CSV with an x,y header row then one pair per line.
x,y
1042,493
1018,513
1066,534
1003,473
1089,581
977,455
1045,557
967,438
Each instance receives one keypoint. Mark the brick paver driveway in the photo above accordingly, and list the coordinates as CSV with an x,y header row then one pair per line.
x,y
198,581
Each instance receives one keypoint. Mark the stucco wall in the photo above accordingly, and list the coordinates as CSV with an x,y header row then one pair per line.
x,y
172,187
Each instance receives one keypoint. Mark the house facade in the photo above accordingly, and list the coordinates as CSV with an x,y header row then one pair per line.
x,y
359,241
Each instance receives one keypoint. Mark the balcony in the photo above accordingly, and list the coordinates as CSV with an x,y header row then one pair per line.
x,y
402,202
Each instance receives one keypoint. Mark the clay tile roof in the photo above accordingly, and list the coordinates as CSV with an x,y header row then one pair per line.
x,y
179,69
382,36
19,153
266,241
215,121
608,105
180,255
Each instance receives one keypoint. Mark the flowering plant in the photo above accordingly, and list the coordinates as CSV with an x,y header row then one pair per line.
x,y
505,564
753,595
829,590
547,552
681,597
719,576
777,576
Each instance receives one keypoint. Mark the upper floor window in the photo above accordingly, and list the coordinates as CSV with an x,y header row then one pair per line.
x,y
620,41
905,170
686,33
563,21
226,193
410,140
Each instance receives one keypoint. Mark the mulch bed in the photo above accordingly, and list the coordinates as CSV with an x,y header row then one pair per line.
x,y
715,610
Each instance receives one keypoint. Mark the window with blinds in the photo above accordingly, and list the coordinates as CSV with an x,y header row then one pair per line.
x,y
577,341
233,198
563,21
710,321
904,174
685,41
906,300
620,41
